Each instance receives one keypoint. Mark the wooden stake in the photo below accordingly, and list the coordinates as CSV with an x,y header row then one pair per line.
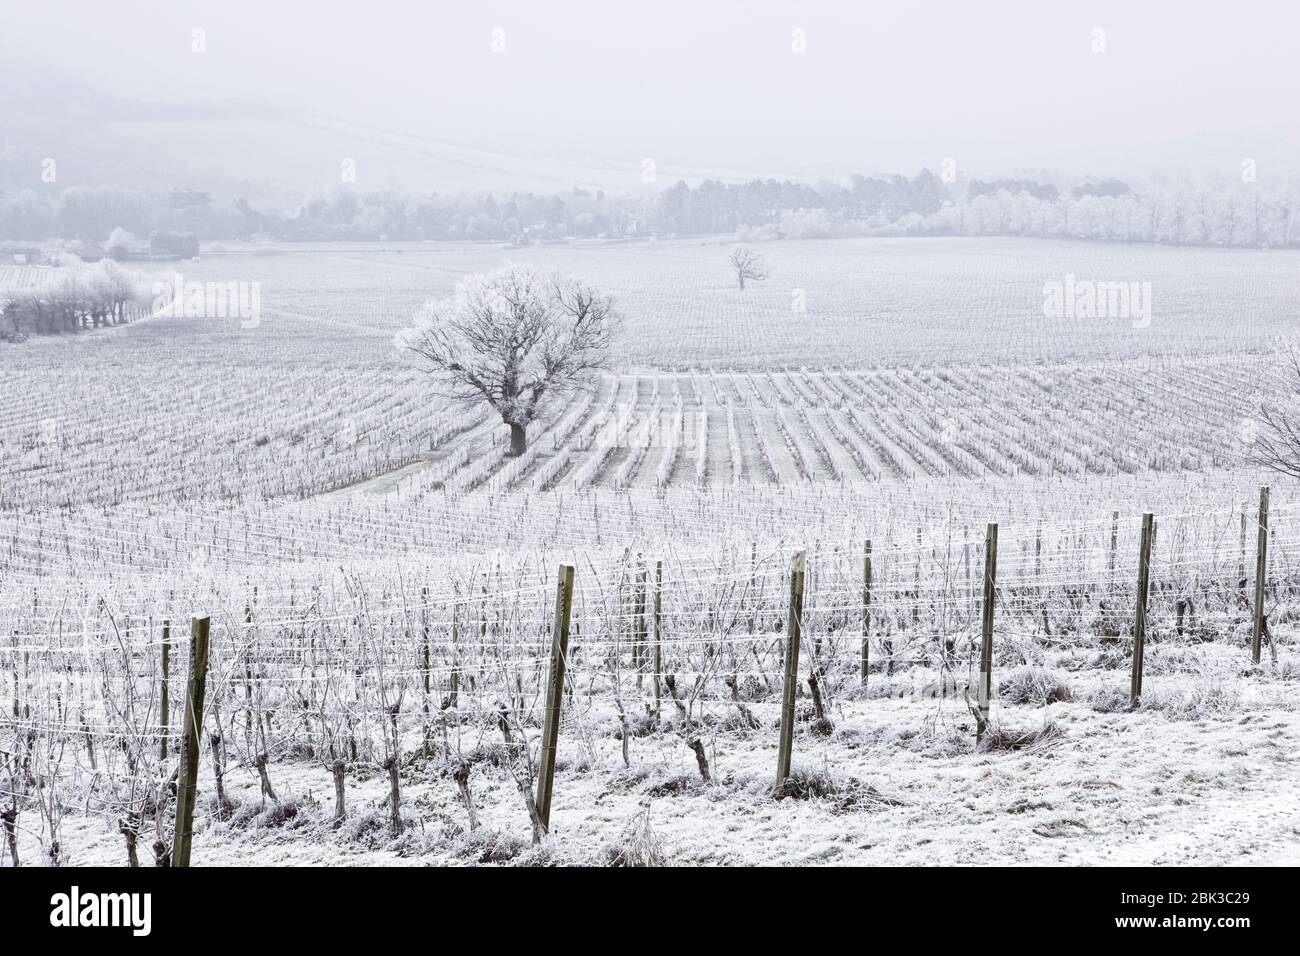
x,y
1241,560
554,693
164,698
248,671
794,624
640,653
1261,576
965,553
455,649
659,657
1140,617
866,609
916,583
424,649
187,777
1038,562
986,641
753,582
1114,543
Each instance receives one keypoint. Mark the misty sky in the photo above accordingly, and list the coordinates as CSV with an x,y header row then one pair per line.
x,y
883,87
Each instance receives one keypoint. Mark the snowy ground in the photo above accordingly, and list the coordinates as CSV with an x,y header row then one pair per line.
x,y
1205,773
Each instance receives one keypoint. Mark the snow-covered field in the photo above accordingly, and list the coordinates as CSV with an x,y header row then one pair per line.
x,y
1204,774
381,578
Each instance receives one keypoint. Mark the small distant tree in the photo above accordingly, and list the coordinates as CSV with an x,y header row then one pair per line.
x,y
748,265
514,338
121,244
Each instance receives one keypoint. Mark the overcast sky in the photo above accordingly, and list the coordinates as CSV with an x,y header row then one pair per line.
x,y
997,86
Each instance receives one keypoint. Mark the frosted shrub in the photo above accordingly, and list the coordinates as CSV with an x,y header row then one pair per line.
x,y
1034,685
1201,699
637,845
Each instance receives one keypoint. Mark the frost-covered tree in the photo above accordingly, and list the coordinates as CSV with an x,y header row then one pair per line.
x,y
513,338
120,243
748,265
806,224
79,298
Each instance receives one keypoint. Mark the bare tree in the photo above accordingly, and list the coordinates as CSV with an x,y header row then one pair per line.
x,y
1276,444
748,265
514,338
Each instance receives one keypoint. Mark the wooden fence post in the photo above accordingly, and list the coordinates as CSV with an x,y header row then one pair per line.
x,y
1114,543
793,628
986,635
164,702
916,583
659,607
424,653
554,693
965,555
455,648
1140,618
640,653
1261,576
1038,563
753,582
1241,559
248,671
866,609
189,767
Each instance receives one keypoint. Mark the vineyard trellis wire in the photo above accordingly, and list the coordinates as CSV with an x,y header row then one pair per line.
x,y
451,670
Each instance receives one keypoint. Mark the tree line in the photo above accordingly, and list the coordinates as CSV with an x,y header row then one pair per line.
x,y
1108,210
1244,214
96,213
80,298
